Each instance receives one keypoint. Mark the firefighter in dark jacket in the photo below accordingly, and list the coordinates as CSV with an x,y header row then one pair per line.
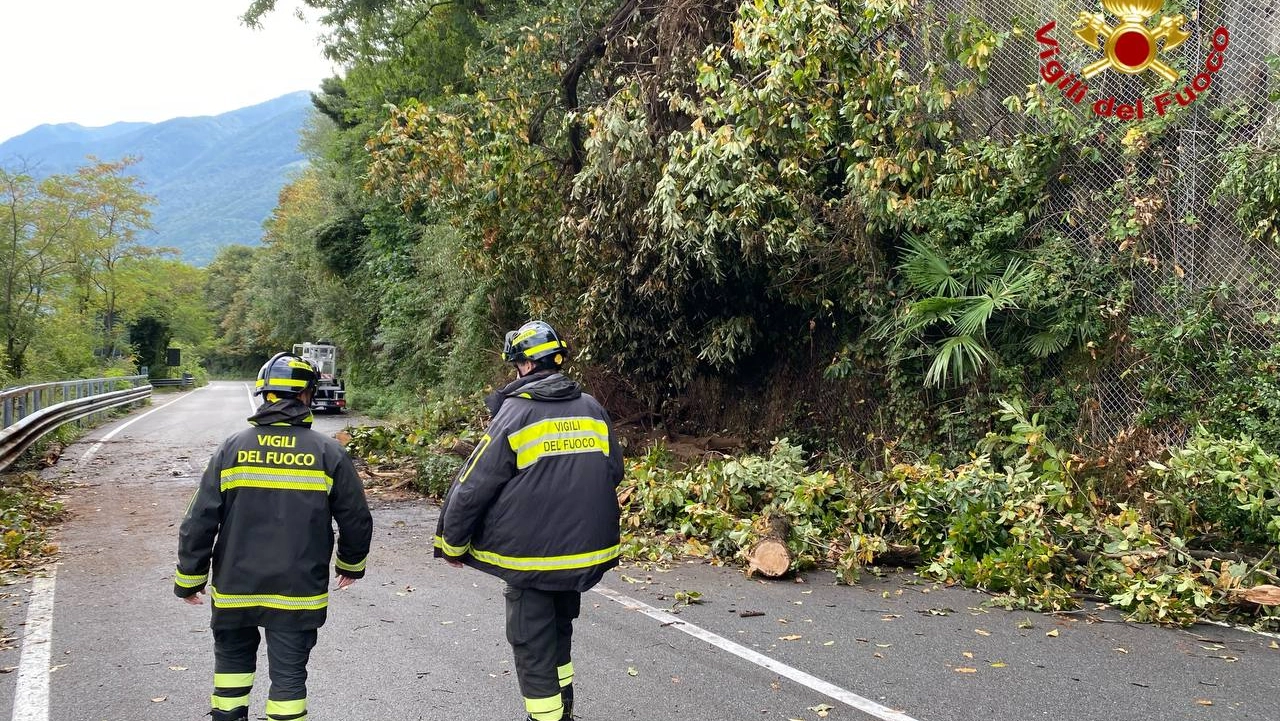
x,y
536,505
263,517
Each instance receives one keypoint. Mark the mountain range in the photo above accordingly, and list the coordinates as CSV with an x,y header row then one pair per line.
x,y
214,178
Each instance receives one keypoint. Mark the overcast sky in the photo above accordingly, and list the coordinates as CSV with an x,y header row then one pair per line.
x,y
97,62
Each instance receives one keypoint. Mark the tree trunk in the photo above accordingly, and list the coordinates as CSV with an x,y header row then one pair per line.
x,y
769,556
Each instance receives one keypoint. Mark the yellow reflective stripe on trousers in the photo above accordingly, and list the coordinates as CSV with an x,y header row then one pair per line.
x,y
565,673
286,708
290,479
350,566
269,600
187,580
559,436
232,680
544,709
227,703
546,563
443,545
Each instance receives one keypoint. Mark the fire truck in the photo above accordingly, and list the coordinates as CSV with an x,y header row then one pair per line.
x,y
331,390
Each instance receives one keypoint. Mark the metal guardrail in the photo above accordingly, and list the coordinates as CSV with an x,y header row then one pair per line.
x,y
29,412
184,382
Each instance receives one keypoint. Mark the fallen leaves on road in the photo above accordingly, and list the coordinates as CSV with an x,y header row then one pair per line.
x,y
981,632
999,664
966,669
631,671
1204,702
822,709
177,668
158,699
1053,633
790,637
1120,650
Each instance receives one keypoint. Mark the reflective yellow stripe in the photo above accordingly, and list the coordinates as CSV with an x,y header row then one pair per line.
x,y
539,348
557,437
286,708
544,709
565,673
225,703
349,566
524,336
292,383
475,457
451,550
232,680
293,479
187,580
267,600
546,563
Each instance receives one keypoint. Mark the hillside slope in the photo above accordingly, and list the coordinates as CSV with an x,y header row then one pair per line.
x,y
215,178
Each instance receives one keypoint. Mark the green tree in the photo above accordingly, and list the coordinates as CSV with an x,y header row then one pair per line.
x,y
114,213
41,224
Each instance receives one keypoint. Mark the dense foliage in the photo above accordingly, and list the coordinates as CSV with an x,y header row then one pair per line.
x,y
811,220
80,295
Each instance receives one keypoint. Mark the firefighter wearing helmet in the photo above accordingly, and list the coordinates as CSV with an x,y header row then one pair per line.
x,y
257,538
536,505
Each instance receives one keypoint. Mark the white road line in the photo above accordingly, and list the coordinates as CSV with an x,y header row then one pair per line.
x,y
253,405
31,699
93,450
827,689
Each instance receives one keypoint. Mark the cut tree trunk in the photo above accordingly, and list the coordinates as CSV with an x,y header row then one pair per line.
x,y
1262,595
769,556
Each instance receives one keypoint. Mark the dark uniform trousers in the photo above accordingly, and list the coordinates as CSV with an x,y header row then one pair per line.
x,y
540,631
235,658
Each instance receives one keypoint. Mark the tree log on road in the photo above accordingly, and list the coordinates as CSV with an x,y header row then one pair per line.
x,y
769,556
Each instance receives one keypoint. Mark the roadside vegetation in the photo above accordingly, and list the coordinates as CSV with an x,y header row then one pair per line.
x,y
829,271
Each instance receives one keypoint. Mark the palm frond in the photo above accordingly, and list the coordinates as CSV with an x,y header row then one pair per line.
x,y
924,313
1046,343
927,271
974,319
960,356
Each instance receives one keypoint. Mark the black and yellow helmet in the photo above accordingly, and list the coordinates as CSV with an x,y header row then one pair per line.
x,y
285,373
535,341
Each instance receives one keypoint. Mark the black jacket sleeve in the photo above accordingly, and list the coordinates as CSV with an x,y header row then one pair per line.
x,y
616,468
481,478
349,508
199,529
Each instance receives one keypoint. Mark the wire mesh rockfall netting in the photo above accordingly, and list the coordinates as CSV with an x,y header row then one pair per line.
x,y
1171,177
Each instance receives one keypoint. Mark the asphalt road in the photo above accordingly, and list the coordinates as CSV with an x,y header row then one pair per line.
x,y
418,640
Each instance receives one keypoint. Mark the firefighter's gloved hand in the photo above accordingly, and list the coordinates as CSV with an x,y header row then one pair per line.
x,y
344,581
194,599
